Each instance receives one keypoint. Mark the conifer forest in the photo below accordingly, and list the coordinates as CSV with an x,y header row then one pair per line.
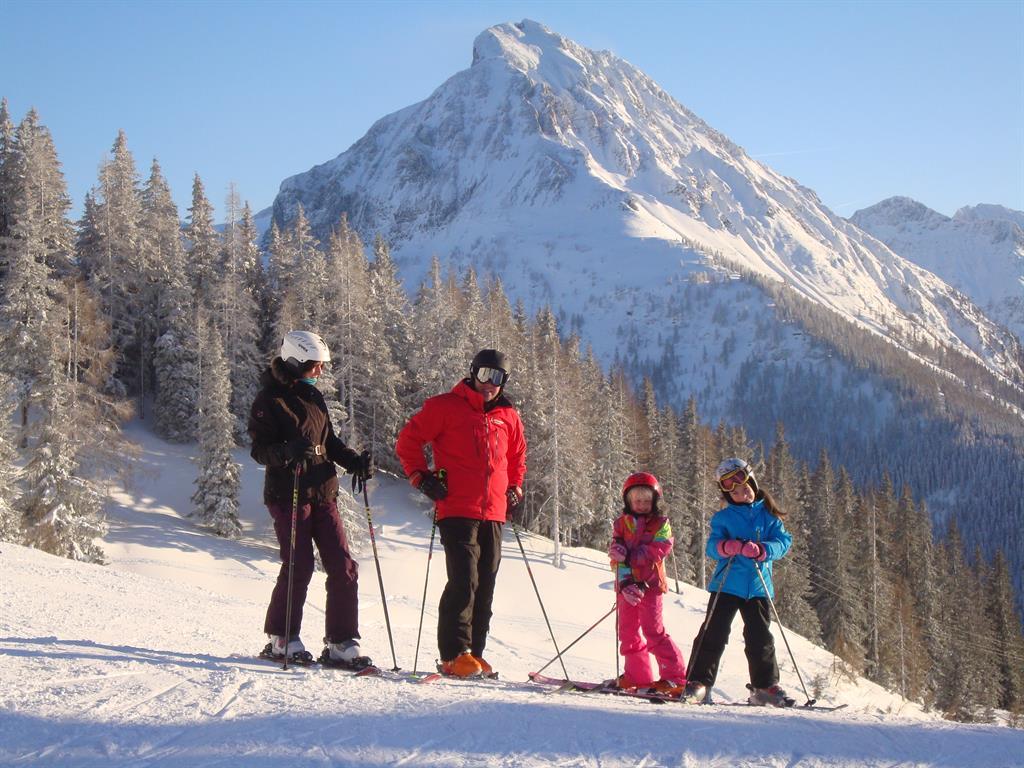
x,y
129,313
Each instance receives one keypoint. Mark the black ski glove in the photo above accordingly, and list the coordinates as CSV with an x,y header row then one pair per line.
x,y
299,449
432,486
362,470
514,509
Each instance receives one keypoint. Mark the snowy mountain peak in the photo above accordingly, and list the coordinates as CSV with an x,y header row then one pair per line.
x,y
900,210
980,251
989,212
525,46
553,166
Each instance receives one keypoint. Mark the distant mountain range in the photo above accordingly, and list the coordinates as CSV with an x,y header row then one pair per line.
x,y
979,251
577,180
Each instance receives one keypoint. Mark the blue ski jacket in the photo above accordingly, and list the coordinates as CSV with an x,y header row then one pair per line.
x,y
749,522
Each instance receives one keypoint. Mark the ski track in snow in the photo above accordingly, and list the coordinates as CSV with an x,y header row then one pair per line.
x,y
146,662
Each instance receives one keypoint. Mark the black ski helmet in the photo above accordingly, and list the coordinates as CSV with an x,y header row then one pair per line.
x,y
489,358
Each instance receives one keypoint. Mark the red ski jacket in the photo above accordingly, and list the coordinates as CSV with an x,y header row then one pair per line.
x,y
483,452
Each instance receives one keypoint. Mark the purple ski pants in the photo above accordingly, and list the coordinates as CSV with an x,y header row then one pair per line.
x,y
318,523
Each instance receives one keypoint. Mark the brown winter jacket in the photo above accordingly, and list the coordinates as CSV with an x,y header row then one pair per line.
x,y
284,410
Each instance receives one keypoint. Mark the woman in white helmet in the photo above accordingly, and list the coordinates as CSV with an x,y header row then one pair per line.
x,y
293,438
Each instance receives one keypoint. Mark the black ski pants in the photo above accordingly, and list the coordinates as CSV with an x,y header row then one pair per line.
x,y
759,645
472,554
320,523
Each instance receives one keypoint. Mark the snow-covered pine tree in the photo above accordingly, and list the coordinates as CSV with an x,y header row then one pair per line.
x,y
60,509
7,177
242,299
347,319
575,447
874,535
280,268
10,518
38,236
961,668
500,329
471,319
203,246
176,348
391,388
606,413
110,254
1009,642
217,481
791,573
438,357
914,566
698,493
545,431
163,260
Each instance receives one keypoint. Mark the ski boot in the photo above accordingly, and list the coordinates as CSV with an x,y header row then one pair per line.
x,y
344,655
276,649
773,696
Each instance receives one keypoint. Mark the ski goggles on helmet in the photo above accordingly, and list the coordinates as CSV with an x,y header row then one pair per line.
x,y
494,376
734,479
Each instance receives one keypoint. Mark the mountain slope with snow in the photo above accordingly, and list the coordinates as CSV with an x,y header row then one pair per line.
x,y
572,176
147,662
979,251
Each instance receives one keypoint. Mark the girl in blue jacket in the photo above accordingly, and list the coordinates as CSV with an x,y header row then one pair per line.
x,y
747,535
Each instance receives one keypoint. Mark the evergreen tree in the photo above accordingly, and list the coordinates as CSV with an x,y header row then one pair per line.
x,y
438,358
176,347
792,574
8,179
38,238
956,666
388,315
348,285
217,484
238,308
203,246
1009,642
110,254
10,519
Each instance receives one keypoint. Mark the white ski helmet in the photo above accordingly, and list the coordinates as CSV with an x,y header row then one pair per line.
x,y
299,347
730,466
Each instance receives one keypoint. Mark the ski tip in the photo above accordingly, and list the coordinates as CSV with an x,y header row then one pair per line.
x,y
370,671
431,677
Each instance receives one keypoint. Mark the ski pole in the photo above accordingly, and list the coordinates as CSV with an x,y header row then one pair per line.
x,y
704,626
426,580
617,638
585,633
380,578
810,701
291,562
529,570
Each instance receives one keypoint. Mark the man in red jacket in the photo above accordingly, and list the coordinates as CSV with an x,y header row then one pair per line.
x,y
477,439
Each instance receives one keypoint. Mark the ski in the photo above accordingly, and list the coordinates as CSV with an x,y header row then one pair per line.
x,y
798,708
607,687
398,675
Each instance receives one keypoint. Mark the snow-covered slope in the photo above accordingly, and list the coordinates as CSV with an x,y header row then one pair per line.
x,y
572,176
979,251
147,662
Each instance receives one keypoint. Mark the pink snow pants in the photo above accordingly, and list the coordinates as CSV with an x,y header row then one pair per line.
x,y
647,616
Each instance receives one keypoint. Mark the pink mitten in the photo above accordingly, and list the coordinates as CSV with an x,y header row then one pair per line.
x,y
754,551
617,552
633,594
730,547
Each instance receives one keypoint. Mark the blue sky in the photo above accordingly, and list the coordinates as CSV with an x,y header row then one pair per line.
x,y
858,101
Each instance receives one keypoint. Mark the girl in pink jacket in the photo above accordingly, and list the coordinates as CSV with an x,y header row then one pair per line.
x,y
641,539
